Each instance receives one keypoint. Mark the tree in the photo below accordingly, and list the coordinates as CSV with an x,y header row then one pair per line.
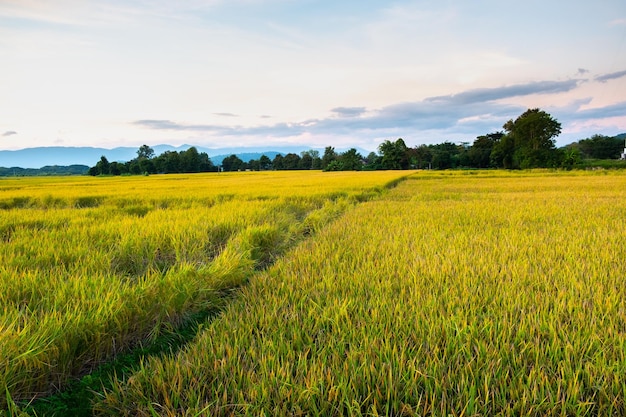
x,y
423,157
232,163
329,156
394,154
601,147
190,160
206,165
351,160
502,153
445,155
103,167
147,166
372,162
145,152
254,165
277,163
480,152
291,161
533,134
306,160
168,162
265,163
571,158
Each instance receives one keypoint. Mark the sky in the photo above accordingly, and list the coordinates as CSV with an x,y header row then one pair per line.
x,y
317,73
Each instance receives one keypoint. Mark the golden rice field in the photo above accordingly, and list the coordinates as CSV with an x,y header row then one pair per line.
x,y
91,267
454,293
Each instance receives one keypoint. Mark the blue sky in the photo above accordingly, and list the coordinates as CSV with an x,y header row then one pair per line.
x,y
219,73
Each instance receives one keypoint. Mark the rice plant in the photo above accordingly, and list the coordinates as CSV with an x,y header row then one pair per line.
x,y
91,267
455,294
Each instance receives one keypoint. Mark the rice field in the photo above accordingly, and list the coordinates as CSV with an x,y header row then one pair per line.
x,y
93,267
451,294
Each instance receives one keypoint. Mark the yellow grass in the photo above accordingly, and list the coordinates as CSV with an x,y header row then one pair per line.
x,y
90,267
453,294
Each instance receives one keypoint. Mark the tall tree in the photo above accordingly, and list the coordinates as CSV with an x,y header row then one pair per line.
x,y
103,167
394,154
265,162
277,163
533,135
190,160
329,156
145,152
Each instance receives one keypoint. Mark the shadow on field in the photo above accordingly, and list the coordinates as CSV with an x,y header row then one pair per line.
x,y
76,400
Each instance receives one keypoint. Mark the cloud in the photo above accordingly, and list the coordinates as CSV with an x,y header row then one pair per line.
x,y
618,22
348,111
9,133
612,110
226,114
158,124
469,113
499,93
582,71
611,76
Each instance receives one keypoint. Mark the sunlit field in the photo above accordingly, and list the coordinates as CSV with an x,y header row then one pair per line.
x,y
455,293
92,267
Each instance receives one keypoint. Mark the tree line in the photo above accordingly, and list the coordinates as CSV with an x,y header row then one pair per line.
x,y
526,142
169,162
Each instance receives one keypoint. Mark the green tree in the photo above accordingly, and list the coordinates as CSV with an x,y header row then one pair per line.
x,y
502,153
277,163
372,161
601,147
254,165
291,161
445,155
116,168
571,158
306,160
232,163
206,165
329,156
533,134
145,152
394,154
265,163
423,157
168,162
190,160
351,160
103,167
479,153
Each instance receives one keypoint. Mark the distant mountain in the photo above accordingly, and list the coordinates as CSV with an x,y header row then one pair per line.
x,y
66,156
39,157
44,171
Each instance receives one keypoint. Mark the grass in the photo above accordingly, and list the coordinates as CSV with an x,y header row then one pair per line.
x,y
91,268
483,293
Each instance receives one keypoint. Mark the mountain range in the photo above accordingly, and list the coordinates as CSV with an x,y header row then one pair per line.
x,y
64,156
